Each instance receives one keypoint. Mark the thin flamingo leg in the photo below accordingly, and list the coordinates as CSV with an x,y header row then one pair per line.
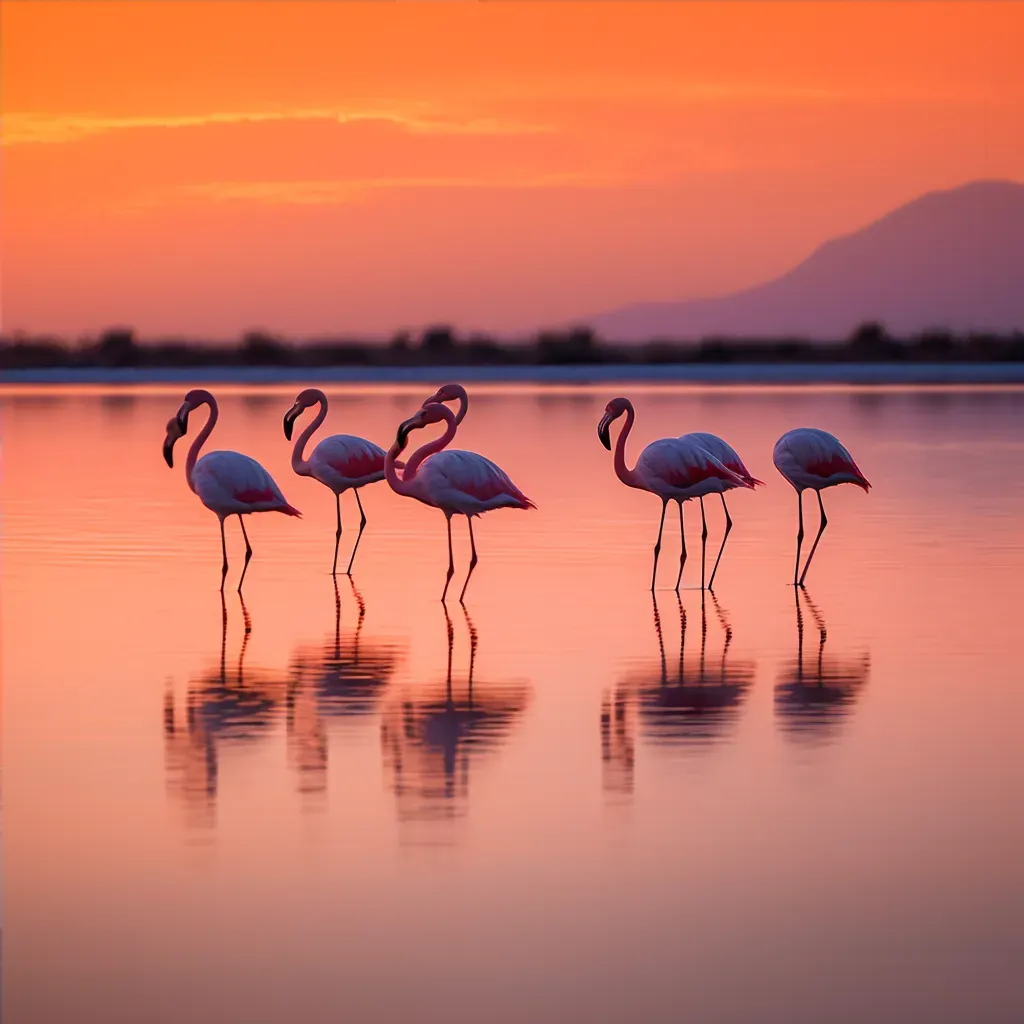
x,y
728,527
814,546
682,548
657,543
337,534
472,559
703,542
799,534
359,536
451,561
248,552
223,567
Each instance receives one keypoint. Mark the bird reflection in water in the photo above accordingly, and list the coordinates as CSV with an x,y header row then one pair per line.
x,y
432,737
700,705
618,743
219,710
344,677
814,695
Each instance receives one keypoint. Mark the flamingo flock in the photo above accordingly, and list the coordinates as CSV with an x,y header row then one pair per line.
x,y
464,483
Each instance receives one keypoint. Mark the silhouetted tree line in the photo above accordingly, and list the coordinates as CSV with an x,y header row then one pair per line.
x,y
441,346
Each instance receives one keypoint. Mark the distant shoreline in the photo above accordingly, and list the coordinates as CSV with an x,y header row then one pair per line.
x,y
750,374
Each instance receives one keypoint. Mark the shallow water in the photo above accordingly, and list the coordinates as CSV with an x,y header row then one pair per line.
x,y
627,811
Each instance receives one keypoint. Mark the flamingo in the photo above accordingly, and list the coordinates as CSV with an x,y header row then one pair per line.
x,y
341,462
673,468
812,458
227,483
726,454
456,482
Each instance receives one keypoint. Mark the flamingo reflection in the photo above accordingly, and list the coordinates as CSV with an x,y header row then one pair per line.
x,y
342,677
618,743
218,711
432,737
702,703
814,695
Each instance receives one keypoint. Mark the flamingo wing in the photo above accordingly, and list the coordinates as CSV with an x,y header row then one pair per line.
x,y
810,457
344,460
677,465
723,451
473,481
229,483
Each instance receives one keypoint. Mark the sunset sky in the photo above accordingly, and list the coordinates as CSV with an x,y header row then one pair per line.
x,y
312,168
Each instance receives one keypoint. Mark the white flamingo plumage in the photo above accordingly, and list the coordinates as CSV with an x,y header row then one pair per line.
x,y
340,462
673,468
814,459
728,457
228,483
456,482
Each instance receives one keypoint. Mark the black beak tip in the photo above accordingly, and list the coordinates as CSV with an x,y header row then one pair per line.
x,y
169,456
288,427
603,434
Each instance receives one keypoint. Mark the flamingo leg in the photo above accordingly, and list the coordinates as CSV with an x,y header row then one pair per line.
x,y
223,569
682,548
703,541
451,560
359,536
814,546
799,533
337,534
728,527
657,543
248,552
472,559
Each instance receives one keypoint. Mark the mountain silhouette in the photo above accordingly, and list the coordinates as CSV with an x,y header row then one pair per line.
x,y
950,260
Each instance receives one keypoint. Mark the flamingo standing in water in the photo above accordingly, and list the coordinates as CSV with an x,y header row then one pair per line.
x,y
456,482
727,456
815,459
341,462
227,483
673,468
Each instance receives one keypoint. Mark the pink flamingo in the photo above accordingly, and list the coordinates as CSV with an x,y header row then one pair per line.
x,y
673,468
456,482
227,483
812,458
341,462
727,456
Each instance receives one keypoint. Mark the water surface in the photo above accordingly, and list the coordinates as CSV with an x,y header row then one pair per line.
x,y
335,801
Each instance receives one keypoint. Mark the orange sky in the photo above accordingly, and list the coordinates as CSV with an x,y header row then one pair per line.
x,y
203,168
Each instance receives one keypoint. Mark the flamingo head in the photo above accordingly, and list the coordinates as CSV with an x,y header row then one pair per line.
x,y
612,411
174,431
447,393
303,400
432,412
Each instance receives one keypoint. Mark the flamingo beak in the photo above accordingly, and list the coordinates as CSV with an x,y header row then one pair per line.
x,y
169,450
434,398
289,420
182,418
604,431
404,429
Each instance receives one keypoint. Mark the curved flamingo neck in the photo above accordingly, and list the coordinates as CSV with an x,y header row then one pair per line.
x,y
402,484
622,471
202,398
460,391
299,462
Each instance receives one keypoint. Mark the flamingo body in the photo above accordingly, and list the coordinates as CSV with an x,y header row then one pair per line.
x,y
814,459
723,451
678,469
465,483
810,458
230,483
343,461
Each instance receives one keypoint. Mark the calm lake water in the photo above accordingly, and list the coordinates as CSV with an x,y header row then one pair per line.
x,y
738,808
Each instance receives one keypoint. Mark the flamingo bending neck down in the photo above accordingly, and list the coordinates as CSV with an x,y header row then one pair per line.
x,y
340,462
813,459
728,457
673,468
456,482
228,483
